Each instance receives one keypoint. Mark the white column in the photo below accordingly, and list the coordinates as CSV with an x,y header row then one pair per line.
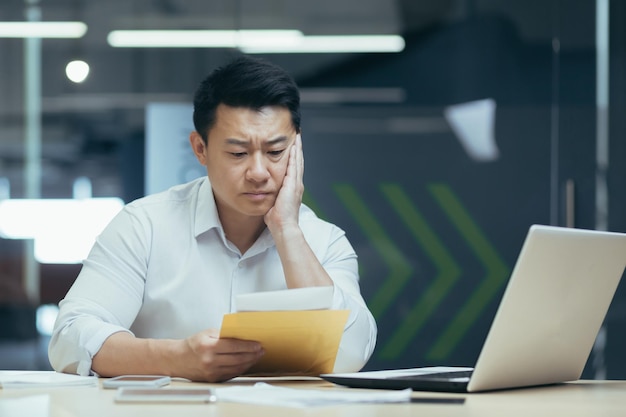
x,y
602,153
32,141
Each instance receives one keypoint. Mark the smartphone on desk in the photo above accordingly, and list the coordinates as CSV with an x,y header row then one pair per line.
x,y
156,395
142,381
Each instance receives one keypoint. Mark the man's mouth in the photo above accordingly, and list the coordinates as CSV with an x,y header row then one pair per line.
x,y
257,194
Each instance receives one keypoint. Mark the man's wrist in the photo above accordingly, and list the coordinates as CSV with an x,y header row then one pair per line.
x,y
167,354
287,233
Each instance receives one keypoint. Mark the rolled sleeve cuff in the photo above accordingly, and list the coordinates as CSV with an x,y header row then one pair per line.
x,y
93,345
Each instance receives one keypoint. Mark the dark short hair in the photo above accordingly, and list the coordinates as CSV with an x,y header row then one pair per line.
x,y
245,82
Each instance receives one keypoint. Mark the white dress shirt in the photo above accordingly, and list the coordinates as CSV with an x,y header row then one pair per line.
x,y
163,268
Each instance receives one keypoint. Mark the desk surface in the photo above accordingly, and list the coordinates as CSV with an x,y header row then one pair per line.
x,y
581,398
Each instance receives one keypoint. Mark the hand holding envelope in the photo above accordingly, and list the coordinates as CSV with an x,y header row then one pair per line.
x,y
296,341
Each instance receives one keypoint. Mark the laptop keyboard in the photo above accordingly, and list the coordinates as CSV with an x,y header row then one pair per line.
x,y
437,375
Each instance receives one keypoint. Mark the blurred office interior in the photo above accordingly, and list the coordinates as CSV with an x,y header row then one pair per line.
x,y
435,155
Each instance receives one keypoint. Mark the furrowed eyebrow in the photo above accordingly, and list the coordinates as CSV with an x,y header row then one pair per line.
x,y
277,140
231,141
244,143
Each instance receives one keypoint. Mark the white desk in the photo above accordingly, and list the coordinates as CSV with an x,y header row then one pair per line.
x,y
582,398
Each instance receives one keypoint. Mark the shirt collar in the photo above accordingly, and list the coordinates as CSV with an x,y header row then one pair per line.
x,y
206,210
207,218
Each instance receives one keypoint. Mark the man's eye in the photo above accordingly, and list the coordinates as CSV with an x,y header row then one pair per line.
x,y
238,154
276,153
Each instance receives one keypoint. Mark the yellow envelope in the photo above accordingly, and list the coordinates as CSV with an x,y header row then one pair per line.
x,y
302,342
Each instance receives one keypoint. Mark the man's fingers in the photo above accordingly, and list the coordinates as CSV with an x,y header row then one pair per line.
x,y
237,346
244,360
300,159
292,164
231,364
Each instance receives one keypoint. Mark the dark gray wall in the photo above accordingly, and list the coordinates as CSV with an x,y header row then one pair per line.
x,y
437,232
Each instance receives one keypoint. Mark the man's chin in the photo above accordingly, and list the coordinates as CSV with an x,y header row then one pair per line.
x,y
259,211
259,208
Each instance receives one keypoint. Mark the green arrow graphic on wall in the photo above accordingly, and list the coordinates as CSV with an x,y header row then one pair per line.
x,y
447,272
400,269
496,275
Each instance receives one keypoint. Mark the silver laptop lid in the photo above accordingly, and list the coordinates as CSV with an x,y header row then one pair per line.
x,y
552,309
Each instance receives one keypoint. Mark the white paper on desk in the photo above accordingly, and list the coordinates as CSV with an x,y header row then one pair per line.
x,y
44,379
31,406
309,298
266,394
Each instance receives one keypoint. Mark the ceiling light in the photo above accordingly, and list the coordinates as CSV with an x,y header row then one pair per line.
x,y
200,38
255,41
333,44
77,71
42,29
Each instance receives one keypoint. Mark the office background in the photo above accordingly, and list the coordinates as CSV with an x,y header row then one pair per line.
x,y
435,159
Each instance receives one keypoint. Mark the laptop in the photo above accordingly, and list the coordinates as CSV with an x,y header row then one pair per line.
x,y
545,326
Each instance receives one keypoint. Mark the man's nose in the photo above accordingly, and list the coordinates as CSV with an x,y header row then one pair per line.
x,y
257,170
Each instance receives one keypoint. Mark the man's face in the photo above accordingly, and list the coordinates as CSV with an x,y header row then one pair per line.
x,y
246,157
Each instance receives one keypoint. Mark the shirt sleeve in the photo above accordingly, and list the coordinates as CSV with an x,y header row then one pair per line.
x,y
104,299
359,337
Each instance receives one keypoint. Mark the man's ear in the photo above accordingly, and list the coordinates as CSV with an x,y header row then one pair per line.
x,y
198,146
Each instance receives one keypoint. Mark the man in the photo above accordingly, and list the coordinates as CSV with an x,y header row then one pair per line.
x,y
156,284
